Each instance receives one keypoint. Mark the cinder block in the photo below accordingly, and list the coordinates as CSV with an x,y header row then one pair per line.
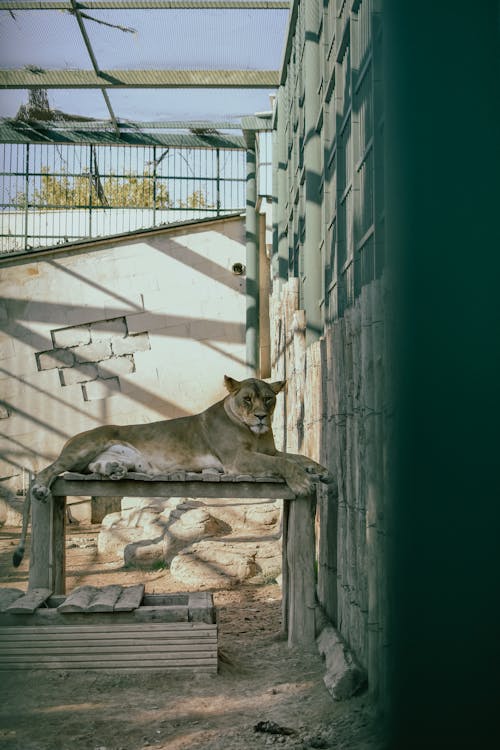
x,y
130,344
99,389
75,336
55,358
93,352
146,321
117,366
106,330
79,374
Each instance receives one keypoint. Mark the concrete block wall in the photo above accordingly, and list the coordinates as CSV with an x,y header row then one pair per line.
x,y
135,329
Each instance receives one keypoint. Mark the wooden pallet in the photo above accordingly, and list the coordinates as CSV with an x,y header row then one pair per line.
x,y
97,629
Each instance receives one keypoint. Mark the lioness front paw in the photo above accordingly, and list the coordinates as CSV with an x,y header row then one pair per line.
x,y
322,474
299,482
40,492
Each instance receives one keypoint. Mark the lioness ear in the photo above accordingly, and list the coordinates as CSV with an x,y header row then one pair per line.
x,y
232,385
278,385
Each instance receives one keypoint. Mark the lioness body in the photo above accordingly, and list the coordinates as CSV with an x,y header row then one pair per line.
x,y
234,435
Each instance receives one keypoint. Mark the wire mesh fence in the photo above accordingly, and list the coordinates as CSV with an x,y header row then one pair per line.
x,y
53,193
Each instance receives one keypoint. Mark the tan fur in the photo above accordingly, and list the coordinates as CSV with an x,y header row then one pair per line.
x,y
234,435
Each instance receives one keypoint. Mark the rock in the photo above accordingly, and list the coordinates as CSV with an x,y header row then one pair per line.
x,y
218,562
214,564
344,677
144,553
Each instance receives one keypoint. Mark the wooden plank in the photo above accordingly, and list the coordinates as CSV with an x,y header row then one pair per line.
x,y
179,628
40,575
130,598
7,596
59,545
210,666
211,475
108,651
79,599
27,604
300,545
105,599
242,486
127,643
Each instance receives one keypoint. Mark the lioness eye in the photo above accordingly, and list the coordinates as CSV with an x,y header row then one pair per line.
x,y
247,400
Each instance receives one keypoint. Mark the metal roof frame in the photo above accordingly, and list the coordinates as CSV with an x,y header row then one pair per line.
x,y
32,77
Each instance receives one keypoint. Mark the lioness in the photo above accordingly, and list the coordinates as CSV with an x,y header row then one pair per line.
x,y
234,436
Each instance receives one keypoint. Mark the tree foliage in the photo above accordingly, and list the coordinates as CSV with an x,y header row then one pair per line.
x,y
125,191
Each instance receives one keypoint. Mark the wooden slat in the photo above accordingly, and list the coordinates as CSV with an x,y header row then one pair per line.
x,y
130,598
8,596
79,599
211,475
175,627
176,646
27,604
105,599
106,652
125,666
237,487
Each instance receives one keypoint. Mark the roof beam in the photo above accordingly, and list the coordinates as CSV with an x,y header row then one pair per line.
x,y
83,31
145,4
32,77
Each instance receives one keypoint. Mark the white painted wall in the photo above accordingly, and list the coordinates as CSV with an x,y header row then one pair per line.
x,y
132,330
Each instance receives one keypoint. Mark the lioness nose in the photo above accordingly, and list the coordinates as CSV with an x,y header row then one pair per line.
x,y
261,415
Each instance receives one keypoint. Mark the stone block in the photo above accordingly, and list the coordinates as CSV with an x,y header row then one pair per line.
x,y
53,358
106,330
130,344
146,321
66,337
344,677
98,389
93,352
117,366
79,374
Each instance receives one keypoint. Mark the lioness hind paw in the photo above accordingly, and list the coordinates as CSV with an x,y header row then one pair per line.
x,y
114,470
40,492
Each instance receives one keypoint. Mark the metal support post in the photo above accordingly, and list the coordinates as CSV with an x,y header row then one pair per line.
x,y
252,258
311,280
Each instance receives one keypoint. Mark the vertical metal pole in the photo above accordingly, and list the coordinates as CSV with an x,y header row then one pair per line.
x,y
217,156
252,319
312,159
280,246
90,190
154,186
26,195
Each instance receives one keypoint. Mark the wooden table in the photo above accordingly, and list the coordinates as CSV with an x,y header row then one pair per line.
x,y
48,555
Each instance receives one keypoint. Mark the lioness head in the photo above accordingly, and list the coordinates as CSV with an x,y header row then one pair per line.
x,y
252,401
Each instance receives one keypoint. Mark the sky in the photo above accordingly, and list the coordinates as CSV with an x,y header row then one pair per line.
x,y
169,39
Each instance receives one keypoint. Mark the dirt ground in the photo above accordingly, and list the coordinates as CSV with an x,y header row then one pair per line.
x,y
259,680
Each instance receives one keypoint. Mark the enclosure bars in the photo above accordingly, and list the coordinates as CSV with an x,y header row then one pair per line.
x,y
54,194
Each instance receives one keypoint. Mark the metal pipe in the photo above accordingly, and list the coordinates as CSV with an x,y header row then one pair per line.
x,y
146,5
311,281
252,263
